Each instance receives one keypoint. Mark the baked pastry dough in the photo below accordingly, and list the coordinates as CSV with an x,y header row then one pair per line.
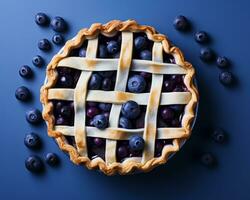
x,y
123,65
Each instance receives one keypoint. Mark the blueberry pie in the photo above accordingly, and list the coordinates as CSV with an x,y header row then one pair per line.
x,y
119,98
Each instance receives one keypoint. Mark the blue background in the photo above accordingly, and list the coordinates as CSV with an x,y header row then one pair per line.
x,y
183,177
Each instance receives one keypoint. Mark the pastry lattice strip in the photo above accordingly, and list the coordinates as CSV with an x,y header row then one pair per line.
x,y
153,99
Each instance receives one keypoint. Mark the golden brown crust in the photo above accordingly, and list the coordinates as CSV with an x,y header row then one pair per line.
x,y
110,29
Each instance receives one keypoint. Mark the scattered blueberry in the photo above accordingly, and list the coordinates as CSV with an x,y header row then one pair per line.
x,y
113,47
206,54
140,43
58,24
102,51
219,135
100,121
82,52
34,164
51,159
201,37
65,81
57,39
125,123
136,143
34,116
146,55
167,113
207,159
99,142
41,19
38,61
136,84
122,152
181,23
44,45
105,106
226,78
222,62
23,93
32,141
130,110
92,111
25,71
107,84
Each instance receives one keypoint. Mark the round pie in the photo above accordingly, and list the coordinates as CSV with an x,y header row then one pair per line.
x,y
119,97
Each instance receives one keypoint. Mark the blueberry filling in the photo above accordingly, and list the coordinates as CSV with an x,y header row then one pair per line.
x,y
142,47
159,145
96,147
170,116
67,77
174,83
139,82
63,112
123,151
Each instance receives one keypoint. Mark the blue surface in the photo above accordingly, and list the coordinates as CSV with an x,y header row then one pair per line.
x,y
182,177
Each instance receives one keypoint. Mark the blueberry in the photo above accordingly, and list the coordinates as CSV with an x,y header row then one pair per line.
x,y
130,110
32,141
58,24
222,62
136,84
92,111
113,47
57,39
122,152
206,54
168,85
178,88
136,143
107,84
125,123
219,135
100,121
146,55
140,43
201,37
41,19
99,142
44,45
102,51
23,93
51,159
167,113
34,116
176,78
105,106
106,74
82,52
38,61
226,78
207,159
95,82
181,23
66,111
65,81
34,164
25,71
